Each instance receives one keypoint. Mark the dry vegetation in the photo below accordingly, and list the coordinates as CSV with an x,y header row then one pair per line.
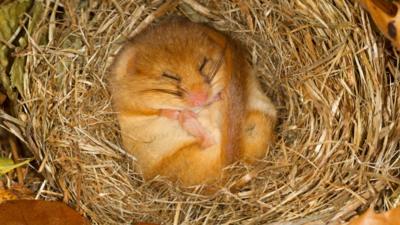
x,y
333,78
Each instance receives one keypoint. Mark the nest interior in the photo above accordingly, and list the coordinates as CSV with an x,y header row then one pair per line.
x,y
333,79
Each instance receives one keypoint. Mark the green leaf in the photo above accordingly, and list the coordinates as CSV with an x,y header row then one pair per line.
x,y
17,73
11,14
6,165
37,15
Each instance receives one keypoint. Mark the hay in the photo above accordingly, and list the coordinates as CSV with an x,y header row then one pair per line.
x,y
334,82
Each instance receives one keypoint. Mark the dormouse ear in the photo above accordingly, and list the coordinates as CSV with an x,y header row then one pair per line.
x,y
386,6
386,16
216,37
124,63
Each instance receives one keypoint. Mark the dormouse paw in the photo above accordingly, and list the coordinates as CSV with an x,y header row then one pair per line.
x,y
170,113
189,122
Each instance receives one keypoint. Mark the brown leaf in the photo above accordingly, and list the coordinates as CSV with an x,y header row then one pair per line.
x,y
36,212
3,98
6,195
14,193
391,217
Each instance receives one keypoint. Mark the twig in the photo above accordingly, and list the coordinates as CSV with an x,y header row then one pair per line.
x,y
177,212
163,9
244,8
14,151
200,8
352,206
118,7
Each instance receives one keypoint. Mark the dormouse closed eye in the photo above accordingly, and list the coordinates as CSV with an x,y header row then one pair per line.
x,y
203,64
205,70
208,68
171,76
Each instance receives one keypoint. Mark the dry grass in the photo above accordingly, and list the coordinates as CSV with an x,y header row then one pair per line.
x,y
333,80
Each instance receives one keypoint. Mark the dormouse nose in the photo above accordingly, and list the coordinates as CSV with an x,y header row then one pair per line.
x,y
197,98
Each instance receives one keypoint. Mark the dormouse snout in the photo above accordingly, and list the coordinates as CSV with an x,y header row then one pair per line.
x,y
197,98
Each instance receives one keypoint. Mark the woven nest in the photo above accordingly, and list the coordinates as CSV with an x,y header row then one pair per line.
x,y
334,82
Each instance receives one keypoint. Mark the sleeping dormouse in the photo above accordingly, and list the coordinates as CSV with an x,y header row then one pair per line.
x,y
188,102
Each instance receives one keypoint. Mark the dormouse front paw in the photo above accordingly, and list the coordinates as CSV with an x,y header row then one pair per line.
x,y
170,113
190,123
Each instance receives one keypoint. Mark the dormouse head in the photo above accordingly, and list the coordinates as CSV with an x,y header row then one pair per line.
x,y
175,64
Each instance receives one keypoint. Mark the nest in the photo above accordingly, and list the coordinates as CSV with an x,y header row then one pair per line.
x,y
333,79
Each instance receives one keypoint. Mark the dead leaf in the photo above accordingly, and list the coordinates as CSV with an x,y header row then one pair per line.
x,y
3,98
21,192
6,195
391,217
15,192
37,212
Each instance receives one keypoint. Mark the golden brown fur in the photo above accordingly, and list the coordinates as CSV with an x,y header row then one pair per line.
x,y
235,115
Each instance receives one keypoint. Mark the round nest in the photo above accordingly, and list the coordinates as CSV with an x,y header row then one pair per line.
x,y
335,84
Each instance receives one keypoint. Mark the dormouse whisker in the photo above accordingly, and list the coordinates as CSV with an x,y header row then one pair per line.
x,y
166,91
